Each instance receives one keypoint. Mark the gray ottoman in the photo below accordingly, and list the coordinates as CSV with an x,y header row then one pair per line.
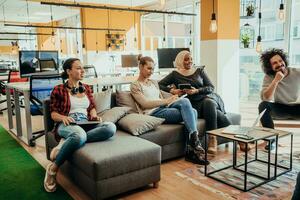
x,y
123,163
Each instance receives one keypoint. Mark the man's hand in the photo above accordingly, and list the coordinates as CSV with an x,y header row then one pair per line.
x,y
278,77
191,91
66,120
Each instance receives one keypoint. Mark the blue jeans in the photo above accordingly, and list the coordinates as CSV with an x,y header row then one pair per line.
x,y
179,111
76,136
296,195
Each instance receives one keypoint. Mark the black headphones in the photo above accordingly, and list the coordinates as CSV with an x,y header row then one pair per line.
x,y
75,90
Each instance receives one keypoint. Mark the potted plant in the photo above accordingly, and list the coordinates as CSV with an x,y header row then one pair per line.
x,y
245,39
250,10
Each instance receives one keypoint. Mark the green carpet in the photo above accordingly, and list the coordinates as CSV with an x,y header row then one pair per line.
x,y
21,177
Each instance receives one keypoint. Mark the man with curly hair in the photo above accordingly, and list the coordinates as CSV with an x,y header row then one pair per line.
x,y
281,86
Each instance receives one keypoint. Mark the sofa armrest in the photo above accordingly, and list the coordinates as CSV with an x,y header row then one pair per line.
x,y
234,118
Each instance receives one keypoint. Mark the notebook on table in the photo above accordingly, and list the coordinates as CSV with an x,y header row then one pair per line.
x,y
243,130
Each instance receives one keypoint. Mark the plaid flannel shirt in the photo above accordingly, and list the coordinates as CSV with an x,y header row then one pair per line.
x,y
60,102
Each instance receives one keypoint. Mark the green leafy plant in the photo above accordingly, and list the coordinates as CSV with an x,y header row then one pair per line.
x,y
245,39
250,10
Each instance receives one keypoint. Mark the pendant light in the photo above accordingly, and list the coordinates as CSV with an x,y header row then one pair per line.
x,y
96,42
258,42
213,23
281,12
108,32
52,23
162,4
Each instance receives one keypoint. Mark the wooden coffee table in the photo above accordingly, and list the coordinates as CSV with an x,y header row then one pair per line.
x,y
258,133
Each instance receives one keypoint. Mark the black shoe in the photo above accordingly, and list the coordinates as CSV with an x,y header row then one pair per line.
x,y
272,146
194,156
195,143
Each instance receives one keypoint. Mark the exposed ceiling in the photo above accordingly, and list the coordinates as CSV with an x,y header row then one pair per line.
x,y
16,10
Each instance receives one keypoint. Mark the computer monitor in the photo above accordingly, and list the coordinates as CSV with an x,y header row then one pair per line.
x,y
47,65
166,56
29,61
130,60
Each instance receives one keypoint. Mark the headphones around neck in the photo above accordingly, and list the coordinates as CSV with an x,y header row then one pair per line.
x,y
75,90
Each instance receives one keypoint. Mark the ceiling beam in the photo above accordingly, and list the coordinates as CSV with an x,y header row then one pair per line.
x,y
14,39
63,27
115,8
20,33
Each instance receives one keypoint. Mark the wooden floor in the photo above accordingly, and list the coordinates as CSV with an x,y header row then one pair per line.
x,y
171,186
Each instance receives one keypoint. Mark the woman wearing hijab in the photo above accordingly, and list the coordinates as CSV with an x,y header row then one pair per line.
x,y
208,104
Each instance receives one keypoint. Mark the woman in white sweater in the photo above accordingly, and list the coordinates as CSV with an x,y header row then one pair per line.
x,y
150,101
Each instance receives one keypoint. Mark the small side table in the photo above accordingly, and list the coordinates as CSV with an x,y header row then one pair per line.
x,y
257,134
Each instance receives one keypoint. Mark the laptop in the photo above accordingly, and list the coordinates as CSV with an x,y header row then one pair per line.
x,y
84,122
243,130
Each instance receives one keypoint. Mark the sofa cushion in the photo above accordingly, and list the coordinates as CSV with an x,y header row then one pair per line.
x,y
114,114
170,133
124,98
138,124
102,100
119,155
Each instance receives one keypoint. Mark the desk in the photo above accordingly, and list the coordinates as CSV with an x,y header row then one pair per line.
x,y
23,88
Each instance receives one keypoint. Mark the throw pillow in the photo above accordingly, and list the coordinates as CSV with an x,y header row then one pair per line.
x,y
114,114
137,124
102,100
124,98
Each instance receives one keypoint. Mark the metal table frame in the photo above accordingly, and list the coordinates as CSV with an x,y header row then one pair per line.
x,y
246,162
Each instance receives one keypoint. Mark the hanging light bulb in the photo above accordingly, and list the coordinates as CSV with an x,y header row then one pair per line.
x,y
60,42
258,45
14,48
258,42
52,37
109,47
213,23
281,12
162,3
135,42
83,49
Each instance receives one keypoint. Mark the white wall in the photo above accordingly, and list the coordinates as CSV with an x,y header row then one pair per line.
x,y
221,59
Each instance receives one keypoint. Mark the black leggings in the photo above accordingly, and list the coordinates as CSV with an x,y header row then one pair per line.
x,y
276,109
214,118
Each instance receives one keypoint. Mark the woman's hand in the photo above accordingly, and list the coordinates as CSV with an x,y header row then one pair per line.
x,y
176,91
191,91
171,99
66,120
96,118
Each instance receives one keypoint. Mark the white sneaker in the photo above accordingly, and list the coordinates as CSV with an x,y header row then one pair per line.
x,y
56,150
50,179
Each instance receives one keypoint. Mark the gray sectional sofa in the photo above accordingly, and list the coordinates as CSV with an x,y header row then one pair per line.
x,y
125,162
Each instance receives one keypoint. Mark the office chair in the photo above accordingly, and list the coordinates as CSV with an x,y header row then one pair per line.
x,y
41,87
13,76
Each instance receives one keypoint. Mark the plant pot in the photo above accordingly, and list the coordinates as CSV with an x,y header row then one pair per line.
x,y
246,45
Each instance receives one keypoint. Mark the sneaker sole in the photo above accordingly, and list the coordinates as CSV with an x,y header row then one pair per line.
x,y
199,163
